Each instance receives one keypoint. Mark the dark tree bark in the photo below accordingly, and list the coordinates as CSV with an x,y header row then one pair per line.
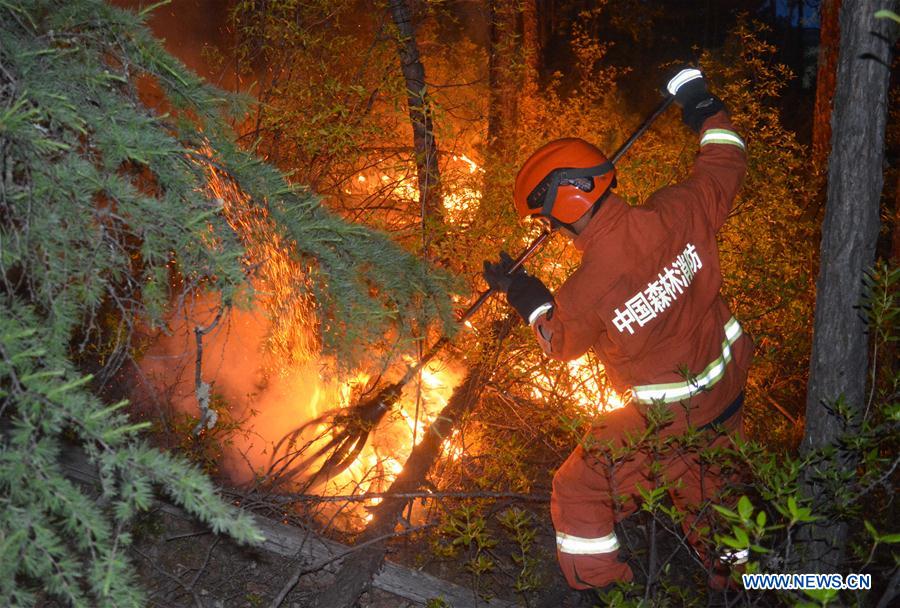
x,y
895,233
504,77
505,84
420,114
840,341
829,37
356,574
531,46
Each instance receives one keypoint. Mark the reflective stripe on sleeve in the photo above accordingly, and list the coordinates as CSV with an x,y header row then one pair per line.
x,y
576,545
537,312
722,136
677,391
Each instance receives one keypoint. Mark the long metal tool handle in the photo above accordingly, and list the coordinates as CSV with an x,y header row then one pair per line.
x,y
517,263
662,107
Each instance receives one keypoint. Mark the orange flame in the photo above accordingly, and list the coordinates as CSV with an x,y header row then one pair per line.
x,y
282,283
275,371
268,369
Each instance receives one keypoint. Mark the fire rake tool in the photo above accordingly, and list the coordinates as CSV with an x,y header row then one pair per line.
x,y
350,427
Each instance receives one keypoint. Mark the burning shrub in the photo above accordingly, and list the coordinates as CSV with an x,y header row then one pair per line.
x,y
107,222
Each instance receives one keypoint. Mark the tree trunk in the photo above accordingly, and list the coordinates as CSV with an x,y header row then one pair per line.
x,y
505,84
840,341
895,233
357,572
531,46
829,37
420,114
504,77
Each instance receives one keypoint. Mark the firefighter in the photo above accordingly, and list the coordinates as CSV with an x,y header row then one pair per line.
x,y
646,299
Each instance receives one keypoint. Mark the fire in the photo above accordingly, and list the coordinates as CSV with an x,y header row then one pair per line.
x,y
292,334
381,460
267,371
460,191
271,370
585,386
473,166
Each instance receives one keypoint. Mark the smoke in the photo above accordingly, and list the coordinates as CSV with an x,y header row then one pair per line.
x,y
266,399
197,32
260,400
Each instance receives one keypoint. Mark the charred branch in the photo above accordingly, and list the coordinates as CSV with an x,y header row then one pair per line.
x,y
208,416
357,571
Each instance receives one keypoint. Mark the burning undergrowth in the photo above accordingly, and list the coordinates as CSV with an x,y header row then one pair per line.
x,y
261,370
271,399
292,412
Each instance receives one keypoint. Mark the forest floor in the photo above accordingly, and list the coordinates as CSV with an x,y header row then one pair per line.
x,y
182,564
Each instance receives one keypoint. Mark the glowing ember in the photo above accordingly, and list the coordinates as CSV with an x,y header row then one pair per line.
x,y
280,279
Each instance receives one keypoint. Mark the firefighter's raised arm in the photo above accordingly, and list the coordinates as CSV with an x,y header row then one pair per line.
x,y
720,166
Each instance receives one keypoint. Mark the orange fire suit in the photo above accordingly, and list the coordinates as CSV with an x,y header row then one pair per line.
x,y
646,299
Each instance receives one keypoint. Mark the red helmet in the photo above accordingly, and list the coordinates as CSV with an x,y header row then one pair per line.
x,y
562,180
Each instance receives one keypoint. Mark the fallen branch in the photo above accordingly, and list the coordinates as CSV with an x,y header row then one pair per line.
x,y
781,410
301,570
290,542
358,569
286,499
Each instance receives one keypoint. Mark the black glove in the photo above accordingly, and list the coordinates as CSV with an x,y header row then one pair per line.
x,y
524,292
697,104
497,274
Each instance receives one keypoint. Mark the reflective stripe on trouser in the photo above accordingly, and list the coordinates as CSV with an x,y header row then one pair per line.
x,y
678,391
722,136
585,503
576,545
583,516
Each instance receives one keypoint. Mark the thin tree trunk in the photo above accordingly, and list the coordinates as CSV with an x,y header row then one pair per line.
x,y
895,233
420,114
355,576
531,45
829,37
505,84
504,77
840,340
773,12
